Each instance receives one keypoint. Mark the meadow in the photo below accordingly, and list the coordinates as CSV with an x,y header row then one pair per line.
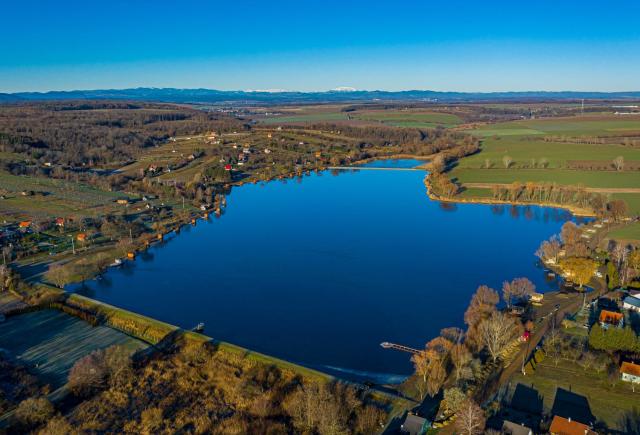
x,y
409,118
595,179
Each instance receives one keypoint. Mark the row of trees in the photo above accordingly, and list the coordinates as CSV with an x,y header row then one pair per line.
x,y
560,194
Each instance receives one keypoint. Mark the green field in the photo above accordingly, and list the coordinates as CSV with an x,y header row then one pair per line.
x,y
410,119
608,403
308,117
575,126
602,179
50,342
523,149
629,232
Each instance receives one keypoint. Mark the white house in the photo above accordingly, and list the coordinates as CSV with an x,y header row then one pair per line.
x,y
630,372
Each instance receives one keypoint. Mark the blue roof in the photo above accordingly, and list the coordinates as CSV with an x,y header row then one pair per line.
x,y
631,300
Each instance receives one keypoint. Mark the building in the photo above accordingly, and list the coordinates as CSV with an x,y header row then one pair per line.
x,y
511,428
610,318
566,426
630,372
536,298
122,201
81,237
60,222
631,303
24,224
414,425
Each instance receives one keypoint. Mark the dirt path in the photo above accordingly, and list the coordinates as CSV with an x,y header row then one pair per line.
x,y
588,189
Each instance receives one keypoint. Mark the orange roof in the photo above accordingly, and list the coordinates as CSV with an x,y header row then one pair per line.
x,y
563,426
81,236
630,368
24,224
610,317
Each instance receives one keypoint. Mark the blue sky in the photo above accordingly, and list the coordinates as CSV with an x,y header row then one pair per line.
x,y
319,45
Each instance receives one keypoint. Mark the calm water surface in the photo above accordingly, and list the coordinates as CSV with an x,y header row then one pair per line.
x,y
322,269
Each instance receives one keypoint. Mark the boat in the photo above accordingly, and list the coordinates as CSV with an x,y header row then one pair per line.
x,y
198,328
117,262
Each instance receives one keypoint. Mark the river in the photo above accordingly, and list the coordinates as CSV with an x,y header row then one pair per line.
x,y
321,269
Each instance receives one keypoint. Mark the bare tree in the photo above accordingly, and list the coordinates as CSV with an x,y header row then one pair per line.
x,y
461,358
517,289
497,331
507,161
618,163
470,419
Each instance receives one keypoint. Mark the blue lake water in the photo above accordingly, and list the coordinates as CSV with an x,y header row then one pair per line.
x,y
321,269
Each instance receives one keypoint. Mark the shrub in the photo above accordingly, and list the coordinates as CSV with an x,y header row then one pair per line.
x,y
34,411
88,375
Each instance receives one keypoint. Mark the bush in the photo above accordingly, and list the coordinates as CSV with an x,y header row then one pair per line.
x,y
88,375
34,411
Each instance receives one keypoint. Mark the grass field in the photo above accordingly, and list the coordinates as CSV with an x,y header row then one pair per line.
x,y
588,125
523,149
629,232
50,342
307,117
603,179
410,119
608,403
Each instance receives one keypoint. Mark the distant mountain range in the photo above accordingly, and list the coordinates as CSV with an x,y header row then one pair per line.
x,y
212,96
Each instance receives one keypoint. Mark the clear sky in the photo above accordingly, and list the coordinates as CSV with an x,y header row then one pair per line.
x,y
319,45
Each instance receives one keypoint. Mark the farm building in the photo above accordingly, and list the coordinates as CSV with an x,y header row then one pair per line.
x,y
631,303
611,318
630,372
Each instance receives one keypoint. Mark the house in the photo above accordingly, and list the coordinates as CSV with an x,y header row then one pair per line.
x,y
227,167
566,426
267,151
24,224
630,372
536,298
414,425
511,428
122,201
610,318
81,237
631,303
60,222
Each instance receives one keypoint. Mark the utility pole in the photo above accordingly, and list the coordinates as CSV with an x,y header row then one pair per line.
x,y
73,245
130,235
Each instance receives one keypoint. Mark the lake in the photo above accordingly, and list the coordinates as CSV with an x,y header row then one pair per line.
x,y
320,270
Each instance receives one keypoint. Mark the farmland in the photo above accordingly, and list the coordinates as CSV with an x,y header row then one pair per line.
x,y
51,196
578,150
50,342
409,118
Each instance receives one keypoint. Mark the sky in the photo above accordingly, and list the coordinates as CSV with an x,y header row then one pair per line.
x,y
309,45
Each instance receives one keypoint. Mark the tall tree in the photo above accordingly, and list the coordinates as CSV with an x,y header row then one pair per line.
x,y
579,270
470,419
517,289
497,331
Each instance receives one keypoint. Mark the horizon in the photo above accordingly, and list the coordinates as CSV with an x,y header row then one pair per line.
x,y
320,91
497,47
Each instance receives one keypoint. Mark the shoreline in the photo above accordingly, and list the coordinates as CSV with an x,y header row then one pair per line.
x,y
576,211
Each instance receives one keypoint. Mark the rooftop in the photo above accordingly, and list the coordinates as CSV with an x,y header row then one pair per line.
x,y
632,300
564,426
630,368
612,317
